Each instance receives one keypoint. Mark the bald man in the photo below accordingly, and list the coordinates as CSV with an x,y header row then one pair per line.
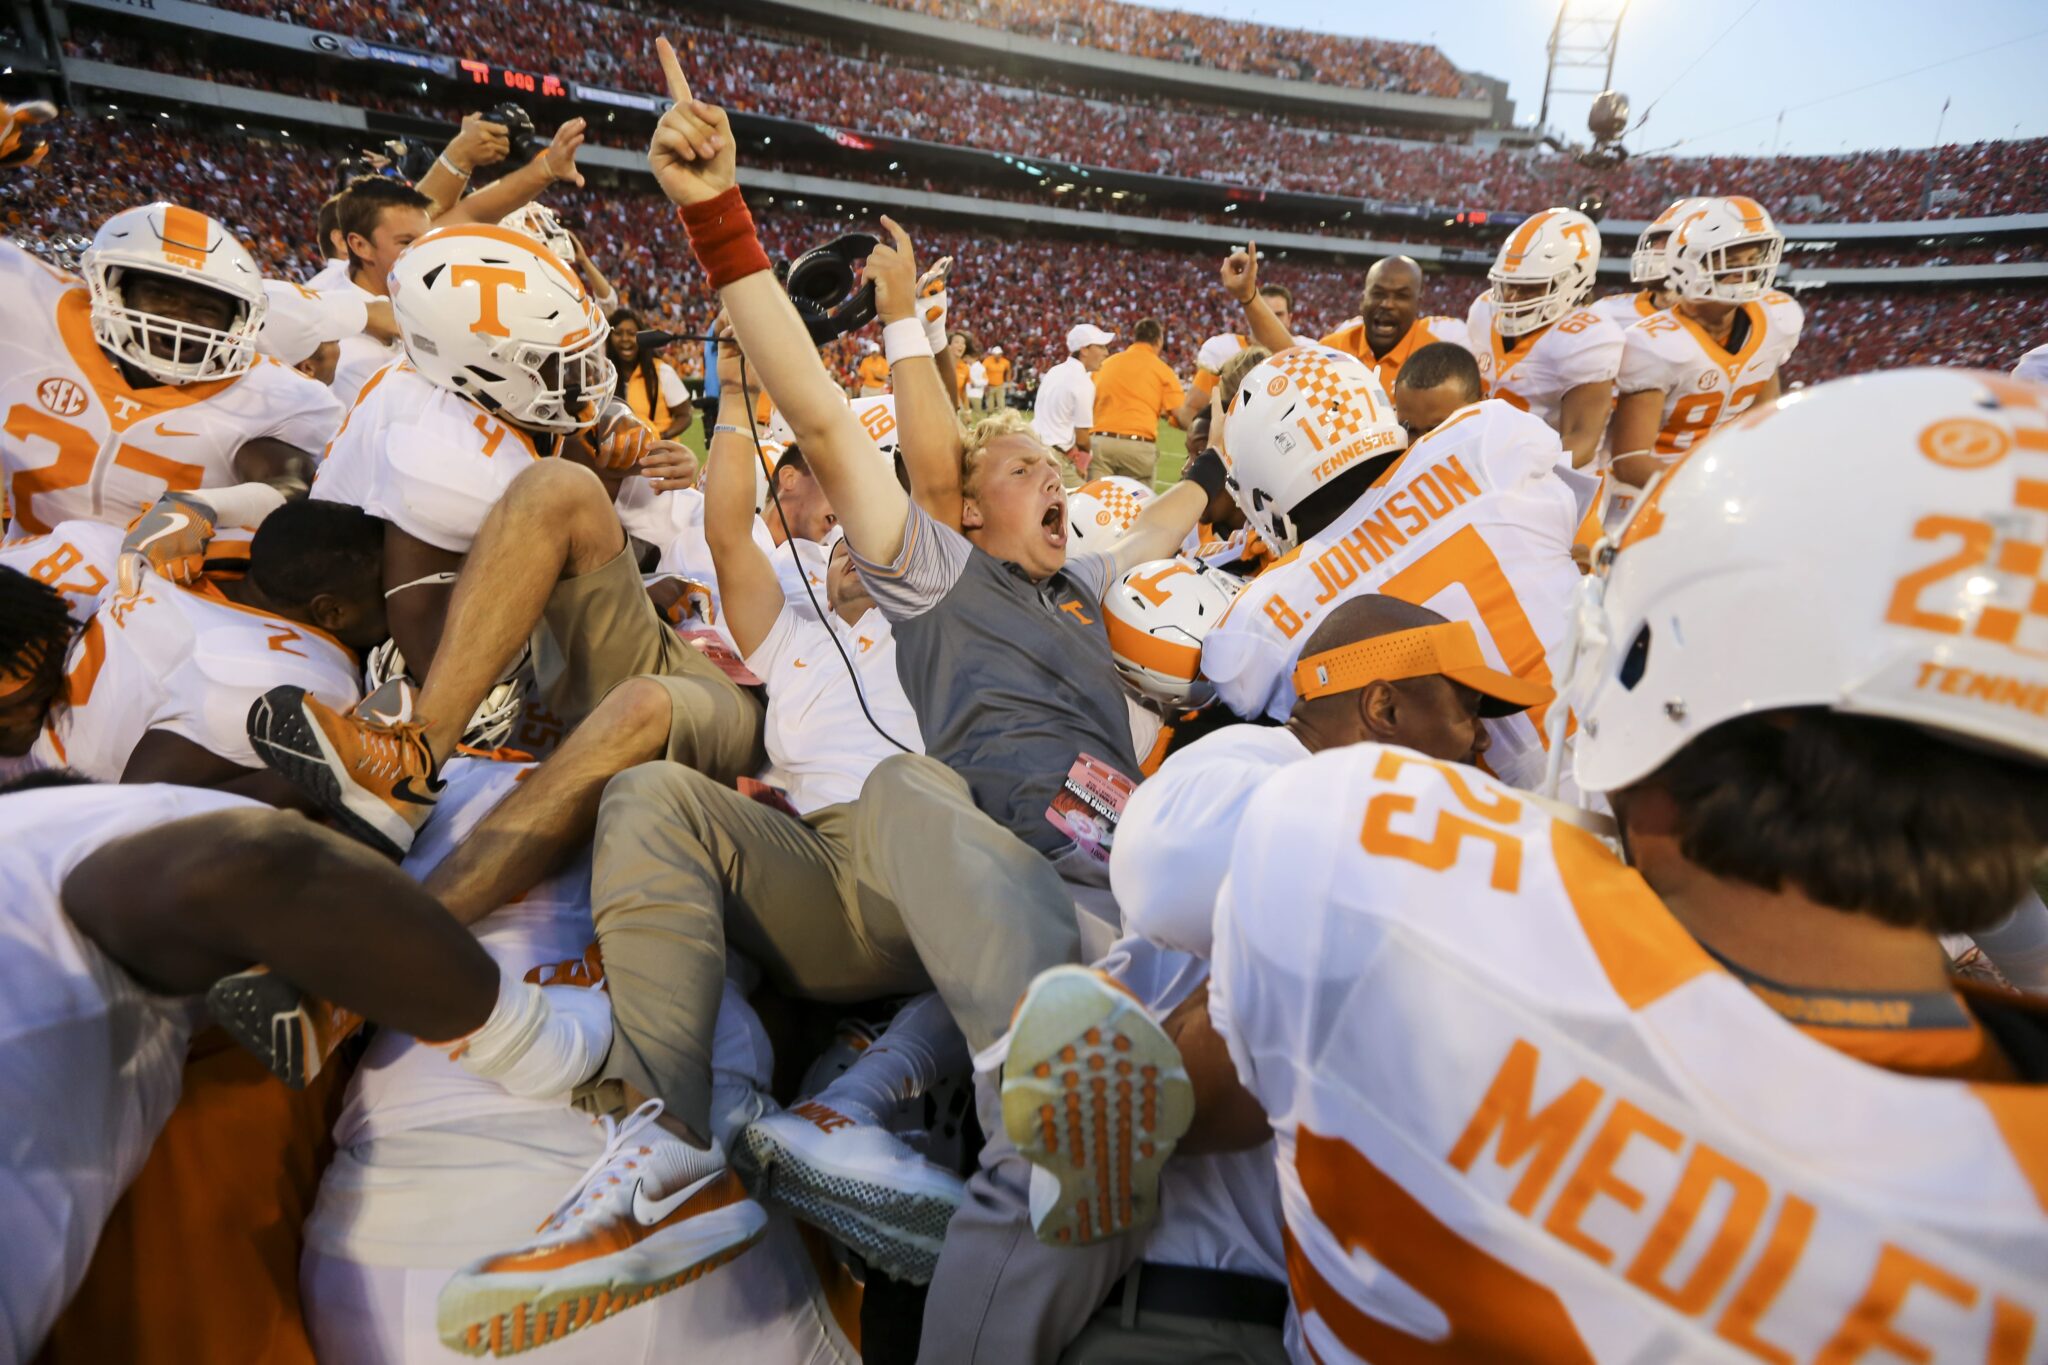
x,y
1208,1283
1387,330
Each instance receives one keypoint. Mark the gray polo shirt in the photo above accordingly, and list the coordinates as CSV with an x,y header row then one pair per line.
x,y
1011,680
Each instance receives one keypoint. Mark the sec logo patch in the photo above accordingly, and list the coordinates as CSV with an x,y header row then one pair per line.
x,y
61,396
1709,379
1277,383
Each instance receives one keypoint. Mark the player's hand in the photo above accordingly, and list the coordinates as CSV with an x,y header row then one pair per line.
x,y
1240,273
691,153
379,321
169,537
559,158
931,292
619,439
731,370
19,145
892,265
480,143
669,465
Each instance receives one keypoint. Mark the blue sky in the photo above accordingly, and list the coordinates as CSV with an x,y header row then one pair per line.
x,y
1779,54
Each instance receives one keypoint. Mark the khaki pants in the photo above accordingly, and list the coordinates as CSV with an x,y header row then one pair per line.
x,y
601,628
909,888
1119,455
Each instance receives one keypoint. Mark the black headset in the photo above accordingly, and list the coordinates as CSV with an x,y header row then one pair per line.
x,y
820,284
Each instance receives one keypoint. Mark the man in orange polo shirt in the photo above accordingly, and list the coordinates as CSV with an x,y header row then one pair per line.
x,y
874,370
997,365
1387,330
1133,390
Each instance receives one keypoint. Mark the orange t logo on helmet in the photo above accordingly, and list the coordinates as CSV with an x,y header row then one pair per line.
x,y
489,279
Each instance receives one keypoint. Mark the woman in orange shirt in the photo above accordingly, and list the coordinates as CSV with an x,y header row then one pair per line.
x,y
648,384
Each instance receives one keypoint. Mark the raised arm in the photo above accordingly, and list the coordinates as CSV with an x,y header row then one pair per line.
x,y
747,587
928,432
691,156
480,143
1161,527
516,189
1240,276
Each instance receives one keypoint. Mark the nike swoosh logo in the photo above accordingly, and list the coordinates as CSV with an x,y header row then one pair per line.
x,y
798,663
166,431
403,791
174,523
648,1212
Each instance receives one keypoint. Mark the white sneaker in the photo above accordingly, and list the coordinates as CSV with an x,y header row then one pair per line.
x,y
857,1181
610,1246
1095,1096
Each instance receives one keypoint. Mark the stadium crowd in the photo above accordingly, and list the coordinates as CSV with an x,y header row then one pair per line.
x,y
803,79
867,856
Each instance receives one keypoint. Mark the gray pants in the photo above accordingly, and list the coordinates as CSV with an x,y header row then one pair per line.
x,y
1119,455
907,889
1128,1335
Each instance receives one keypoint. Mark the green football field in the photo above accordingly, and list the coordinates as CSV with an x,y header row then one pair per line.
x,y
1173,448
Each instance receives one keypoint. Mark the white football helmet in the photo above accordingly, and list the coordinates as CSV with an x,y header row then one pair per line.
x,y
1705,239
876,414
1157,615
538,221
388,697
1555,253
1648,265
495,316
1300,419
1745,581
180,244
1100,511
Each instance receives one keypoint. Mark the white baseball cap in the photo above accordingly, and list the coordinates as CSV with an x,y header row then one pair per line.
x,y
301,320
995,350
868,347
1086,334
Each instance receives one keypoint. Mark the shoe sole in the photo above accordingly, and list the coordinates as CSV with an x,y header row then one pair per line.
x,y
502,1315
1095,1094
294,746
897,1231
266,1014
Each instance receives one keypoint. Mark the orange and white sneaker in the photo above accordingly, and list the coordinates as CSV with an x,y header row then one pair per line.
x,y
293,1032
376,777
1094,1097
653,1214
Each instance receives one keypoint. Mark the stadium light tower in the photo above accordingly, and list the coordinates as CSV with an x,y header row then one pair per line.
x,y
1582,43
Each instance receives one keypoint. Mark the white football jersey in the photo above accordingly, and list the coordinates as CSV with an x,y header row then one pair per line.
x,y
428,461
1543,366
90,1062
77,558
1704,386
1624,310
76,441
185,660
1472,521
1522,1115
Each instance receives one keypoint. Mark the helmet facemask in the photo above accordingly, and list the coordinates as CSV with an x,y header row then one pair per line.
x,y
567,383
165,349
1520,317
1722,278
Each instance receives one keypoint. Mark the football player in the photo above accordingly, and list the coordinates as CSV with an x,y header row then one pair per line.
x,y
1717,352
492,537
1475,520
436,1171
1537,347
121,907
1217,351
143,378
1631,1081
1649,267
158,684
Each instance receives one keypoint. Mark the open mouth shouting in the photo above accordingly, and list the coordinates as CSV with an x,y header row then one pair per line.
x,y
1054,522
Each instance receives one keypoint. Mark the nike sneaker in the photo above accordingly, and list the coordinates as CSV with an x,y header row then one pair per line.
x,y
294,1033
374,776
854,1179
651,1215
1094,1096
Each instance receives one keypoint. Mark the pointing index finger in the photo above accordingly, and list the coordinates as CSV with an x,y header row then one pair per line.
x,y
672,70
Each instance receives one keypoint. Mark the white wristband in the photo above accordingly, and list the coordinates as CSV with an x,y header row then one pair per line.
x,y
903,339
453,169
245,504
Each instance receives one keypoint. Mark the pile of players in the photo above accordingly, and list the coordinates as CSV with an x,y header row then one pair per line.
x,y
1475,869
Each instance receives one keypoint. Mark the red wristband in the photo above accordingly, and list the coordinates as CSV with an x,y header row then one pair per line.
x,y
722,234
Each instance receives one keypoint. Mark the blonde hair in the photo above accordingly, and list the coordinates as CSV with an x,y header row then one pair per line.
x,y
1231,377
976,440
